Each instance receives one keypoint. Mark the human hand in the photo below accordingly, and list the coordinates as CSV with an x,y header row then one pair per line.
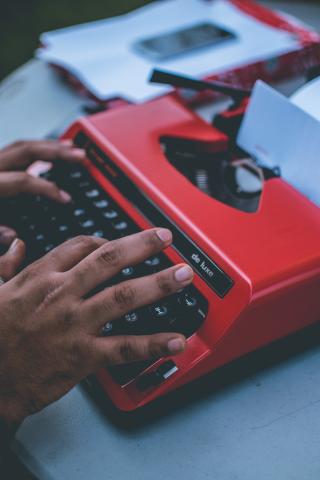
x,y
16,158
51,329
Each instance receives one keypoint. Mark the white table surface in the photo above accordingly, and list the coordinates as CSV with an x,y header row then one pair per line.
x,y
262,425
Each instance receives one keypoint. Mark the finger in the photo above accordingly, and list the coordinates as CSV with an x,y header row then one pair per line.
x,y
22,154
7,235
112,257
71,252
114,302
128,349
13,183
12,259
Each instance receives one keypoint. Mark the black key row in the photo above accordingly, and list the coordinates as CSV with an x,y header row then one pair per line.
x,y
182,313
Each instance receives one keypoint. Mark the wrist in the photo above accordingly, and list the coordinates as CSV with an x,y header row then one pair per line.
x,y
10,420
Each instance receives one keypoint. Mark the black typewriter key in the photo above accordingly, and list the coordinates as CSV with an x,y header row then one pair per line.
x,y
48,248
40,237
76,175
120,226
187,301
98,234
101,203
135,323
46,175
107,329
159,311
110,214
25,218
45,206
127,272
84,184
131,317
86,224
94,193
153,262
79,212
63,228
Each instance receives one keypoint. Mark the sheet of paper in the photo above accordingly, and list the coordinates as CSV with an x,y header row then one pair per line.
x,y
28,112
278,133
308,98
102,56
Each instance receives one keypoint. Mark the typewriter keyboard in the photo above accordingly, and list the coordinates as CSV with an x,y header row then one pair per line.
x,y
43,225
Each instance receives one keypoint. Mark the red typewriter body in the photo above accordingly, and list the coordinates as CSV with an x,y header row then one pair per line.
x,y
259,271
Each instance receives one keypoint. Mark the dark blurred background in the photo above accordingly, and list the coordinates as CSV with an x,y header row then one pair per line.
x,y
22,21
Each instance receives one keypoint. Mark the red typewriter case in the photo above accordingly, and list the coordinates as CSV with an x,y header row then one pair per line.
x,y
255,252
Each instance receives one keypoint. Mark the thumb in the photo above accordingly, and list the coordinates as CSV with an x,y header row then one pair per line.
x,y
7,235
12,259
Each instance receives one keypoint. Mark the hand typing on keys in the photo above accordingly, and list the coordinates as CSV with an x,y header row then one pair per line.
x,y
14,180
16,158
52,321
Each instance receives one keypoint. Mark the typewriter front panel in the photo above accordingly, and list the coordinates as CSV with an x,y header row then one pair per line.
x,y
219,292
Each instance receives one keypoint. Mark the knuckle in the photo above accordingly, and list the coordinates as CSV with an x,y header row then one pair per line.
x,y
124,296
7,269
22,179
106,305
155,350
84,241
164,284
27,147
53,290
78,353
111,255
127,351
151,239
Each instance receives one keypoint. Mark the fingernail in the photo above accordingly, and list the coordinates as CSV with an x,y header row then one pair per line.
x,y
65,197
176,345
184,274
14,244
78,152
164,235
67,142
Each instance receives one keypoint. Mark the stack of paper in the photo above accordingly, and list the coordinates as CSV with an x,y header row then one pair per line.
x,y
102,57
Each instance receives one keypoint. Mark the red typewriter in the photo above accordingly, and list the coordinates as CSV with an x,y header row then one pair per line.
x,y
254,249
